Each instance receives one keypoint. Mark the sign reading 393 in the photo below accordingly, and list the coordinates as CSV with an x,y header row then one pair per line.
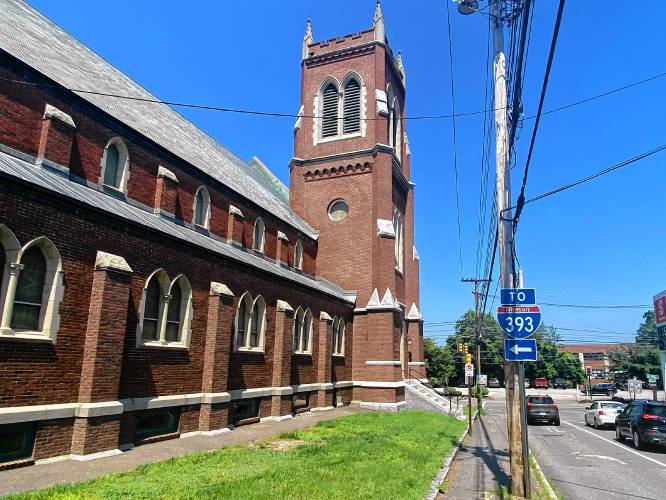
x,y
519,322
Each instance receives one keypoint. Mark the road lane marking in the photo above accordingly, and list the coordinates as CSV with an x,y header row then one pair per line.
x,y
624,447
600,457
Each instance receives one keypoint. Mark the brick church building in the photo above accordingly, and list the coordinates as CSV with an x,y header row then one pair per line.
x,y
153,285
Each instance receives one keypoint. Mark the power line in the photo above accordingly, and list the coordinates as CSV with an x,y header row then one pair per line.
x,y
292,115
455,148
521,197
605,171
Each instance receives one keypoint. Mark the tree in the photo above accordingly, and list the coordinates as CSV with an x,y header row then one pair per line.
x,y
638,360
438,362
647,331
491,345
569,368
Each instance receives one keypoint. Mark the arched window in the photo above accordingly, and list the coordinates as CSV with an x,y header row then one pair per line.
x,y
173,314
151,314
329,111
242,319
338,337
398,248
29,290
166,311
259,235
352,107
298,255
257,323
115,163
396,132
201,208
31,287
250,323
302,331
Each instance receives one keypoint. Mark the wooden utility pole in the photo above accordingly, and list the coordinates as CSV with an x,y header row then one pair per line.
x,y
477,328
520,477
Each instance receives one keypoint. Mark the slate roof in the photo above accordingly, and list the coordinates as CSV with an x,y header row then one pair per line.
x,y
41,44
57,183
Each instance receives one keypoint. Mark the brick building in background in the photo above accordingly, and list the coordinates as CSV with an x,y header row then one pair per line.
x,y
595,357
154,285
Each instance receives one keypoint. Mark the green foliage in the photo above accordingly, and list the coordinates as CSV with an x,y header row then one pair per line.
x,y
445,364
369,455
638,360
484,391
647,331
438,363
568,367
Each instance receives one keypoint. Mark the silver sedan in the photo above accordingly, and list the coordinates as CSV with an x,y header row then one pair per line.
x,y
602,413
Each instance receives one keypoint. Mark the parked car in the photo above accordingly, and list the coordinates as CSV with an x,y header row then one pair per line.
x,y
542,408
602,413
559,383
493,382
541,383
600,390
642,421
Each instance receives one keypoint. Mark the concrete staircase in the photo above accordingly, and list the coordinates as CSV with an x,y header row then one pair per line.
x,y
417,395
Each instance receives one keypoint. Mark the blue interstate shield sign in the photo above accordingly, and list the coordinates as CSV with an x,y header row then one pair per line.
x,y
519,322
520,349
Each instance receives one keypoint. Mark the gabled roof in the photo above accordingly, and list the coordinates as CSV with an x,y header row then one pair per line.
x,y
41,44
26,171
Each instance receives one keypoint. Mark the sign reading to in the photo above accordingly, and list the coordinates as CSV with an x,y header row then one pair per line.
x,y
519,322
482,380
520,350
518,296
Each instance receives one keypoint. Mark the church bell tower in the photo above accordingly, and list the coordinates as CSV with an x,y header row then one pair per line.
x,y
350,180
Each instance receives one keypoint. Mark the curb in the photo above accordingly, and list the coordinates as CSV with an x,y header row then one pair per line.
x,y
444,471
549,488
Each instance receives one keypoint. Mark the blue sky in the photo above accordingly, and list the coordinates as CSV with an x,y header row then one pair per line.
x,y
601,243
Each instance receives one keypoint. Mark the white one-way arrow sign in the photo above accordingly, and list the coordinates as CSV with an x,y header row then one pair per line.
x,y
515,349
520,349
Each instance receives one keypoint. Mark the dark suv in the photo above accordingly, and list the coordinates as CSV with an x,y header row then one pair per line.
x,y
542,408
642,421
601,390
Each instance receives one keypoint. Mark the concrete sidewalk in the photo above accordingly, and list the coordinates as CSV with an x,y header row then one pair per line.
x,y
481,466
70,471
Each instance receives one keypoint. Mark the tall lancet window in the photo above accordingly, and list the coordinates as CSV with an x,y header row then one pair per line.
x,y
352,107
330,111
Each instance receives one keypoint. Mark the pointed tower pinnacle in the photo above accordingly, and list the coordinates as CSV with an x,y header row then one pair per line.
x,y
378,24
400,65
307,39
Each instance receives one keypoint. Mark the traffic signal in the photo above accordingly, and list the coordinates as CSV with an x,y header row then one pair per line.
x,y
460,347
465,349
589,371
468,358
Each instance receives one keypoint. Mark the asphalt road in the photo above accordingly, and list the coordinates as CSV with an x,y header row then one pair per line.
x,y
590,464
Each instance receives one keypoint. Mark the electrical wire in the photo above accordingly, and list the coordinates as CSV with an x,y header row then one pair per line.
x,y
455,147
293,115
604,171
521,197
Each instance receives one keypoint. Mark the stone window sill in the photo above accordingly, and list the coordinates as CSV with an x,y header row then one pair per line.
x,y
250,350
336,355
26,336
302,353
339,137
158,344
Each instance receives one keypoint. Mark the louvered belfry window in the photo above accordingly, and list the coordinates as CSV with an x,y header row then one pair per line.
x,y
330,113
352,107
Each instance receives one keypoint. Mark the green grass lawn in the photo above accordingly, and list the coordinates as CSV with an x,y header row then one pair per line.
x,y
369,455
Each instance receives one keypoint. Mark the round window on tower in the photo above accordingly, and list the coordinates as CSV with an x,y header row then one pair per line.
x,y
338,210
